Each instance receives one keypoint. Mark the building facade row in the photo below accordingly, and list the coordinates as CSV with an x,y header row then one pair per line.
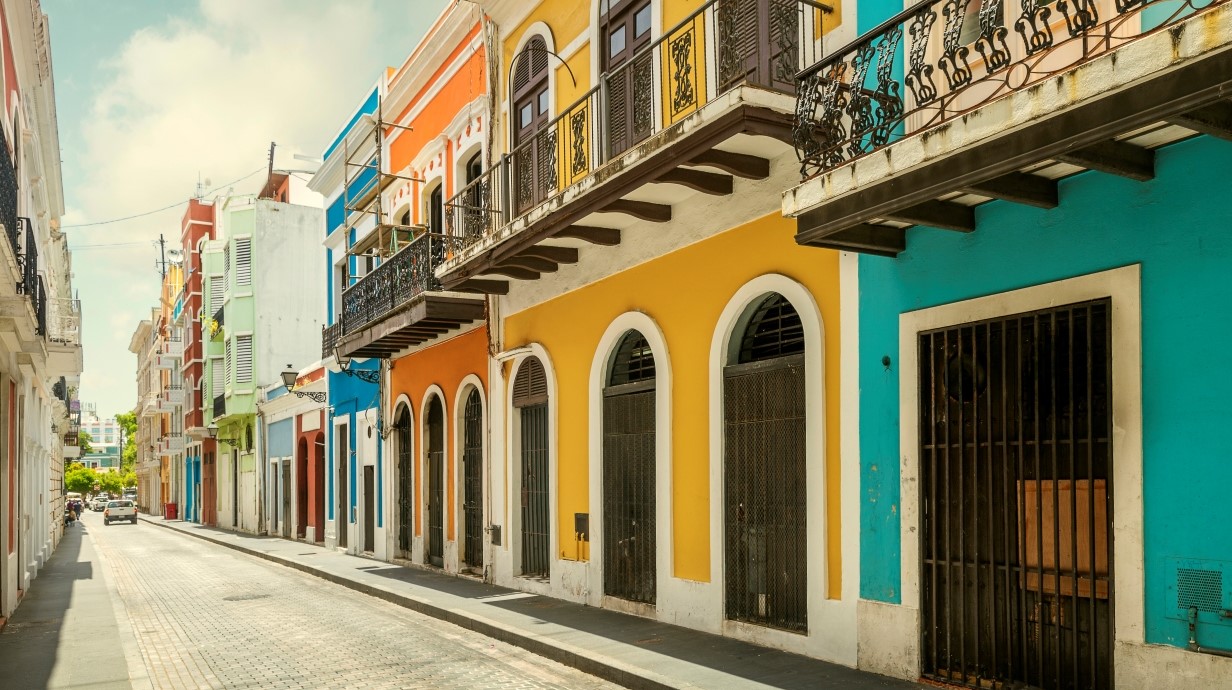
x,y
841,328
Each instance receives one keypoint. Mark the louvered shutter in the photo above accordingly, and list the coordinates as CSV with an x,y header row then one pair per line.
x,y
531,385
217,382
217,291
228,361
243,359
243,261
226,265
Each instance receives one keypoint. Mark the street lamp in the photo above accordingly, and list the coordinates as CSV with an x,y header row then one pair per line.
x,y
211,431
344,367
288,380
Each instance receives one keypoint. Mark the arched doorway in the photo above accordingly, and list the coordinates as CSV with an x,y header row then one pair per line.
x,y
530,400
765,497
406,498
472,481
629,555
318,493
434,456
301,489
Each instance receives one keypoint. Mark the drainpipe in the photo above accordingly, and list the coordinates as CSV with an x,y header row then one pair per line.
x,y
1193,645
262,466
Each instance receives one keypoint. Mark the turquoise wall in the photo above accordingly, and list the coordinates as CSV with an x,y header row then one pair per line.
x,y
1177,227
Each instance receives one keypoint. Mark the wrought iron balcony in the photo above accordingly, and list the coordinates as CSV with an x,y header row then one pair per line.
x,y
8,197
64,321
976,112
329,337
941,59
723,45
403,284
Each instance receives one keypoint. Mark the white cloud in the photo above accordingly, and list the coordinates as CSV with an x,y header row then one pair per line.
x,y
206,96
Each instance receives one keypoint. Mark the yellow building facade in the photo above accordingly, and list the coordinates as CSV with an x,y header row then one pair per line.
x,y
667,416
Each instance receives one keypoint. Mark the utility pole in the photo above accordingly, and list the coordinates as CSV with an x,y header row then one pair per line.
x,y
162,253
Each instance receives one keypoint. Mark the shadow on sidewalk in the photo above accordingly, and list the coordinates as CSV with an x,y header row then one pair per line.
x,y
29,644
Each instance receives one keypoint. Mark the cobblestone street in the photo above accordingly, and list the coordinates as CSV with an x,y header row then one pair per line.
x,y
209,617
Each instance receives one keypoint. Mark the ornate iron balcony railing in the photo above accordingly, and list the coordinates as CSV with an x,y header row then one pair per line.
x,y
329,337
64,321
722,45
398,280
940,59
8,196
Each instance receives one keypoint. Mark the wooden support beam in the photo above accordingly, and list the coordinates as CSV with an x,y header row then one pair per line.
x,y
1115,158
738,164
882,240
609,237
645,210
700,180
1019,188
484,287
1214,119
946,215
561,255
515,272
534,263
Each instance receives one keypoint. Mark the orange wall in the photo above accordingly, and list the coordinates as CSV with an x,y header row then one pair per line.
x,y
444,365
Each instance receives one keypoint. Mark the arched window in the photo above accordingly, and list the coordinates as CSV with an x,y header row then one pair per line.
x,y
434,456
629,515
530,400
530,89
765,498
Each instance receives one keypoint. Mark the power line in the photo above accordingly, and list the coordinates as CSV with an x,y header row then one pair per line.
x,y
160,210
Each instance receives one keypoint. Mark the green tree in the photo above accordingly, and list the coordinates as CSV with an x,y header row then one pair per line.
x,y
80,479
111,482
129,479
83,440
128,454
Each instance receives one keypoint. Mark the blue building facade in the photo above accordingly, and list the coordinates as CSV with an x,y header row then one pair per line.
x,y
354,395
1040,278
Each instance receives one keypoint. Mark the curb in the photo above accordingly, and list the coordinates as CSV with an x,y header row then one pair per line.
x,y
604,667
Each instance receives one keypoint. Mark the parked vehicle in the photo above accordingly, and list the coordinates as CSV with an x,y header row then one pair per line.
x,y
120,510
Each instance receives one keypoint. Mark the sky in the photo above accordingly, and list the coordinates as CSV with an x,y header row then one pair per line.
x,y
153,96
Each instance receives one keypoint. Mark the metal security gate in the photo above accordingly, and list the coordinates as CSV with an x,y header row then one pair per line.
x,y
764,492
406,498
530,399
1016,506
629,552
472,482
435,456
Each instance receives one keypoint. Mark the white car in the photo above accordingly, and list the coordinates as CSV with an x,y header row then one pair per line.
x,y
120,510
99,504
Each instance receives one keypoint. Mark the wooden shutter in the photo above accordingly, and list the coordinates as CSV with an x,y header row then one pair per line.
x,y
243,261
228,361
226,265
217,292
243,359
531,385
217,378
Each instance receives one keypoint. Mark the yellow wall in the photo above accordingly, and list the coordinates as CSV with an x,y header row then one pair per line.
x,y
685,293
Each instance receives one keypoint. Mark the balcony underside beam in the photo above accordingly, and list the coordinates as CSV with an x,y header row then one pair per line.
x,y
428,316
946,215
697,147
1114,158
1019,188
484,287
700,180
608,237
1214,119
643,210
560,255
1083,127
532,263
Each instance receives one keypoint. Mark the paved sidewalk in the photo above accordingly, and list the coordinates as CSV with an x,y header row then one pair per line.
x,y
629,650
68,631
